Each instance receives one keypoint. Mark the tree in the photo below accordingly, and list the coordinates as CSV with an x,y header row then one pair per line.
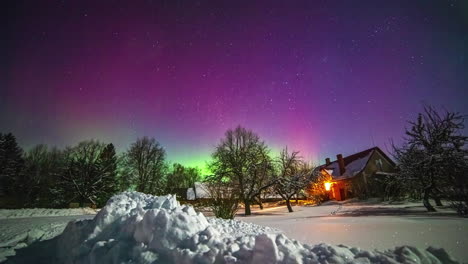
x,y
224,198
107,164
83,177
316,188
11,164
34,174
432,158
125,179
40,177
241,159
294,175
52,194
181,177
145,162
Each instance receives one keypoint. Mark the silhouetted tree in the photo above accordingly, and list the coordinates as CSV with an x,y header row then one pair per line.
x,y
145,165
35,175
107,163
83,177
41,177
11,164
433,157
224,197
241,159
293,176
181,177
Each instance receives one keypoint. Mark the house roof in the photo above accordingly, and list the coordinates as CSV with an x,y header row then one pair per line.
x,y
354,164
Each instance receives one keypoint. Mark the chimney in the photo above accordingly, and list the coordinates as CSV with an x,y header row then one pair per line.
x,y
327,161
340,160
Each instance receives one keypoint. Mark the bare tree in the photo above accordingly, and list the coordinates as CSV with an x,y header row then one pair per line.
x,y
241,158
145,162
83,175
38,176
432,159
223,198
294,175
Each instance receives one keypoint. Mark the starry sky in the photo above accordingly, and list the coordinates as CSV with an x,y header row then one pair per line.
x,y
322,77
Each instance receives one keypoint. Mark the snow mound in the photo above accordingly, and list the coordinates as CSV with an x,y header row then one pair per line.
x,y
138,228
44,212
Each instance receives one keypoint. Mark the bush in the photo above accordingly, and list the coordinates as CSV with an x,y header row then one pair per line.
x,y
223,201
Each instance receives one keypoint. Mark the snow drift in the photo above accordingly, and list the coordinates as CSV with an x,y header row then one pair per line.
x,y
138,228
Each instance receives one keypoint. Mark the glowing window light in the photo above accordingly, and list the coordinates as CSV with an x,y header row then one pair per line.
x,y
327,186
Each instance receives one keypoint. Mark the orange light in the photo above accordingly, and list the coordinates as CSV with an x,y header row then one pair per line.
x,y
327,186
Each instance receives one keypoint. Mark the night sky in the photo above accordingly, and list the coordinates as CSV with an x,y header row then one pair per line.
x,y
323,77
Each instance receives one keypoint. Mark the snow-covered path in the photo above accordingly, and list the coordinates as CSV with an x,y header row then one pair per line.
x,y
20,232
340,224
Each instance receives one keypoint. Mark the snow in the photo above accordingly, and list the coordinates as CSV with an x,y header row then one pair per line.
x,y
42,212
16,233
138,228
370,225
201,190
20,228
191,194
352,168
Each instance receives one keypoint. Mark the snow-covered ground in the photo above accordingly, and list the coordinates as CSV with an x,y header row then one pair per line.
x,y
370,225
22,227
44,212
18,233
139,228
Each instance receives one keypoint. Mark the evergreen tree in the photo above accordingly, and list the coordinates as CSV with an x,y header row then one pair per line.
x,y
2,157
108,169
11,164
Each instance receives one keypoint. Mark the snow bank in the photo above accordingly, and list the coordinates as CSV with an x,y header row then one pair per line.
x,y
138,228
43,212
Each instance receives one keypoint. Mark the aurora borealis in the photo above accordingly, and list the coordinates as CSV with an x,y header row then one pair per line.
x,y
322,77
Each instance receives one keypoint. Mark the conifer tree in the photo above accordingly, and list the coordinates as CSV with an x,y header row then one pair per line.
x,y
11,163
108,174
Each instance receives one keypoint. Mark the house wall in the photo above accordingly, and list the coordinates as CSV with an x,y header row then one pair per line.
x,y
365,183
374,165
338,191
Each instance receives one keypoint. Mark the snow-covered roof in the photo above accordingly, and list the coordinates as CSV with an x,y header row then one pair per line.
x,y
354,164
351,169
201,190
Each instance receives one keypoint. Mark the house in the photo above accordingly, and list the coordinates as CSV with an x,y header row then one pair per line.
x,y
357,175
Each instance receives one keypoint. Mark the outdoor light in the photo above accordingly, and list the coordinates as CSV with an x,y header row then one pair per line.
x,y
327,186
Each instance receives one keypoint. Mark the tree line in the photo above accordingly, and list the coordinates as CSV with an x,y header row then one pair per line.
x,y
88,173
432,163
